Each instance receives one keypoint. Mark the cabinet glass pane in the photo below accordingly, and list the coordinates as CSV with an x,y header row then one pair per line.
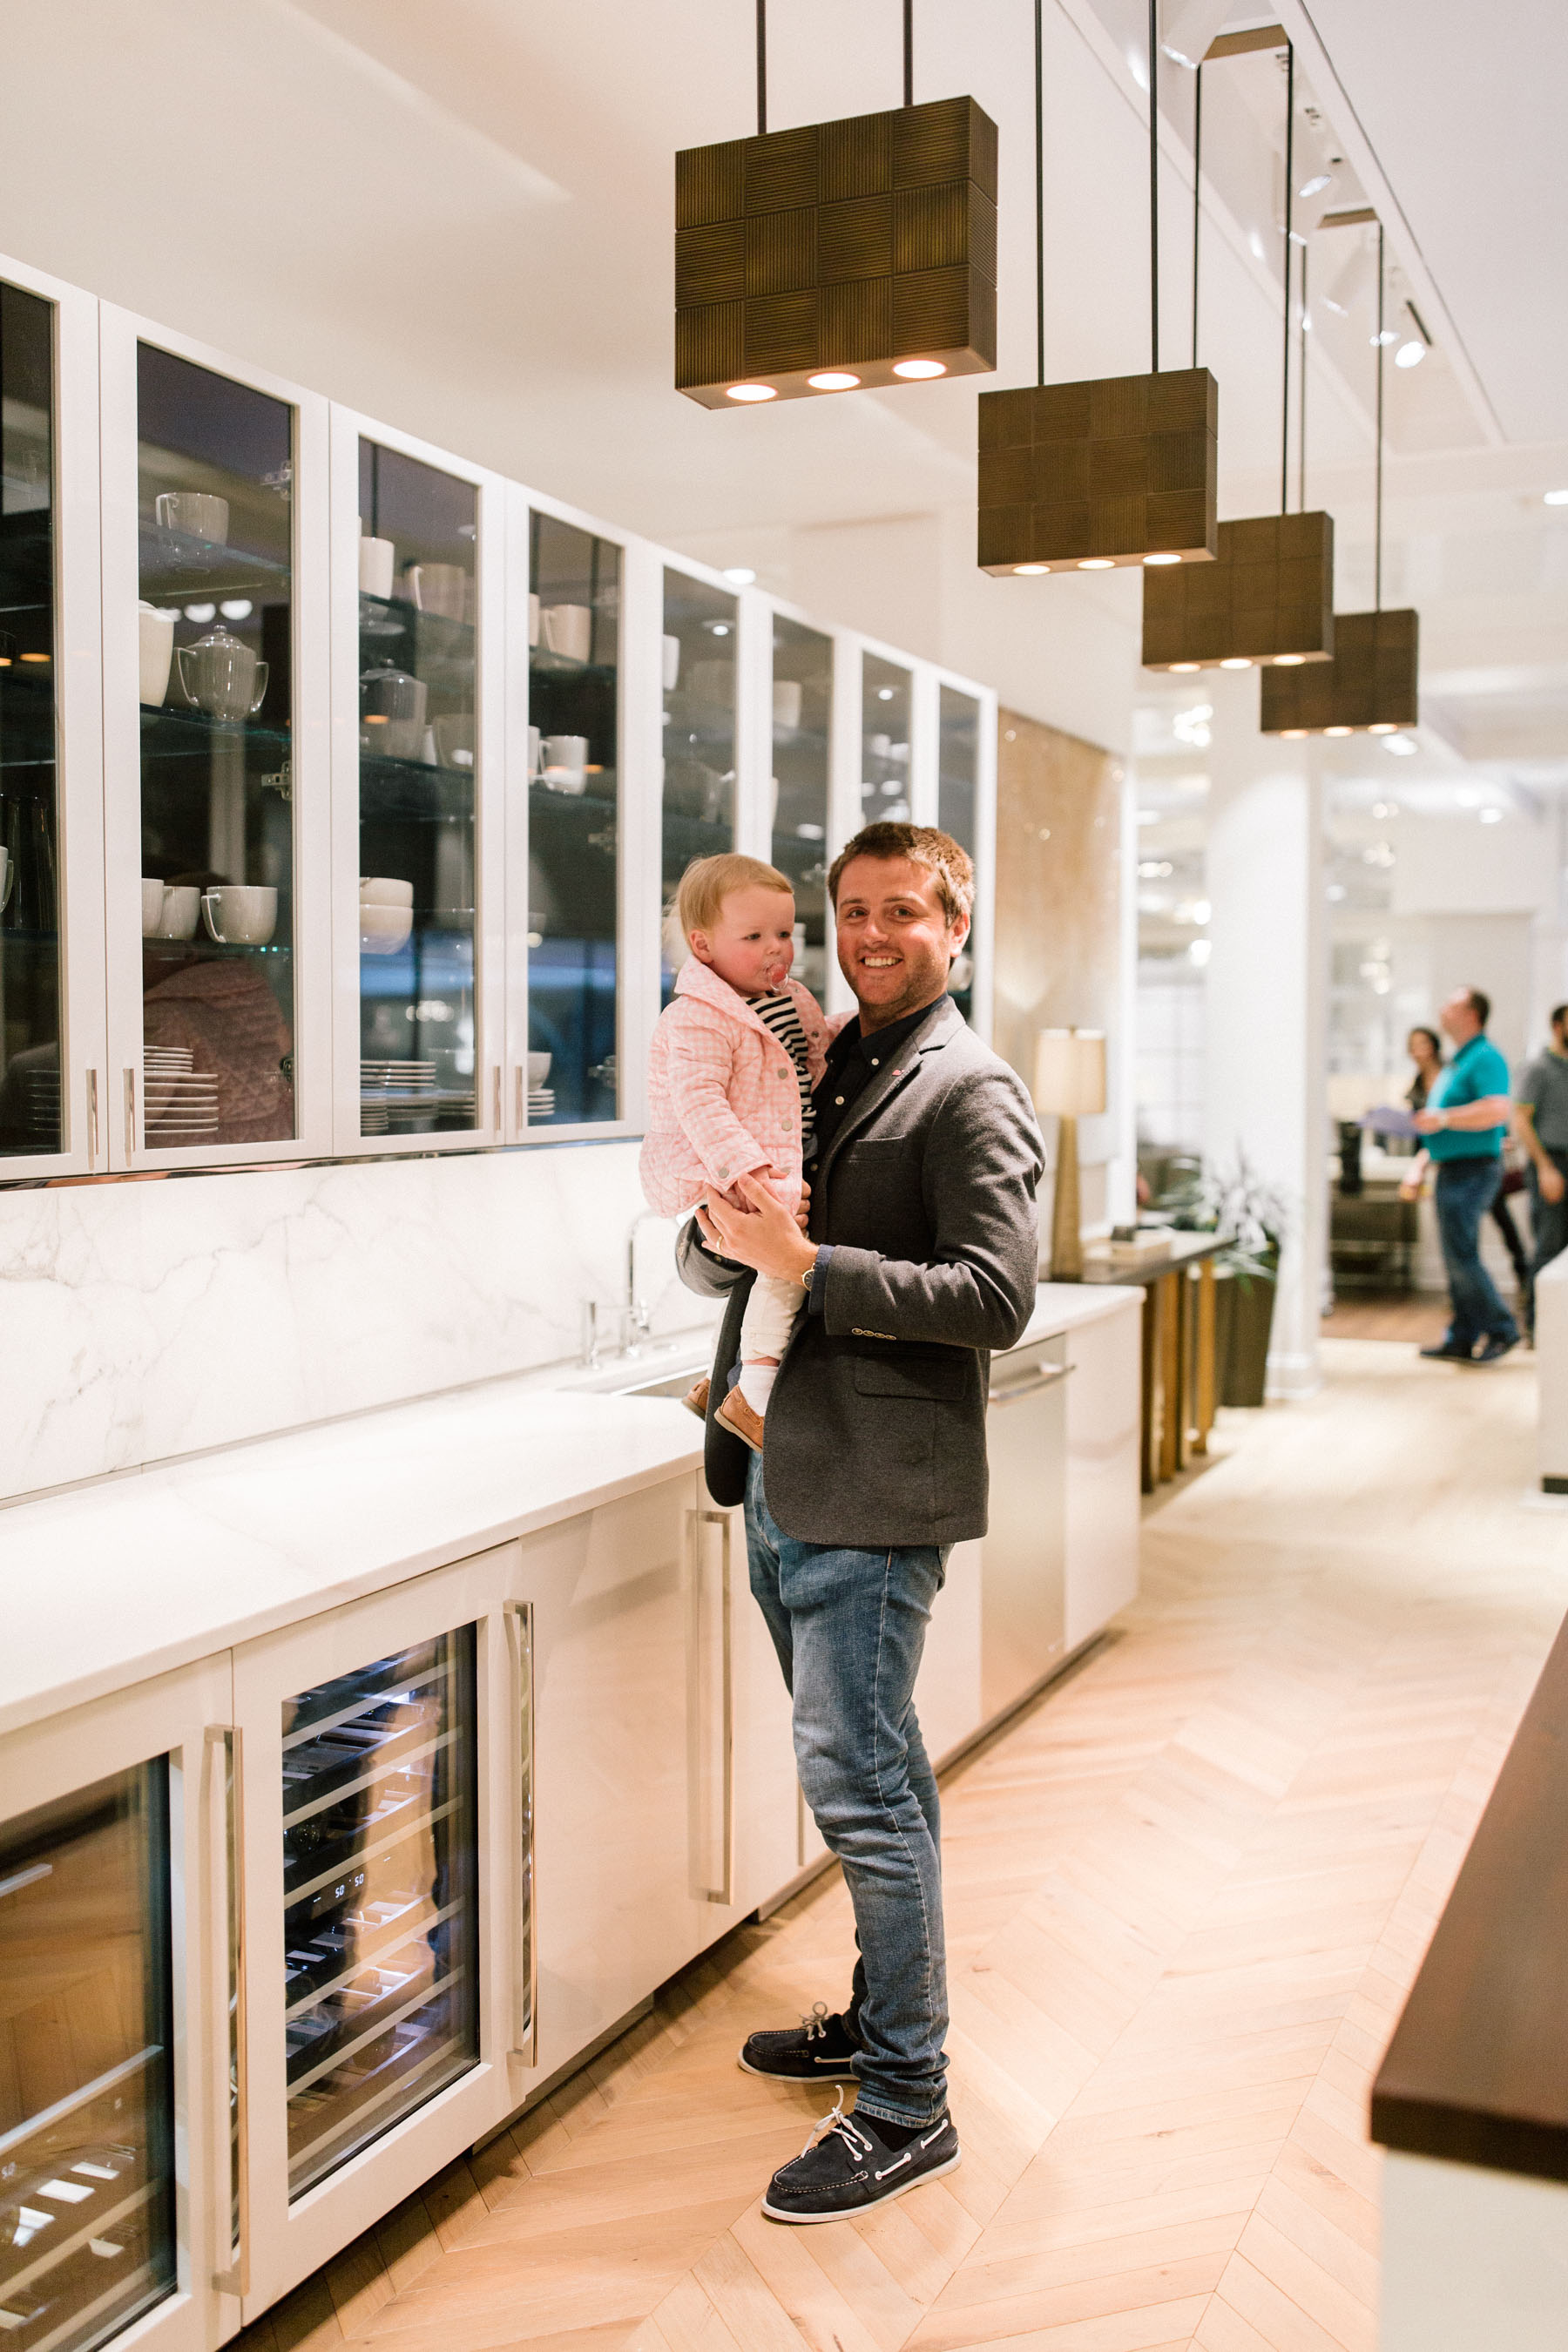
x,y
958,785
86,2077
380,1911
215,491
29,833
884,740
803,714
417,780
574,807
697,818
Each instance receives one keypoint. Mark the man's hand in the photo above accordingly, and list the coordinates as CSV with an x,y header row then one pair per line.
x,y
1429,1122
766,1236
1410,1189
1549,1180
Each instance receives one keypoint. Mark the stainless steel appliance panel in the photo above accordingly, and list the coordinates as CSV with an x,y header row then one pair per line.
x,y
1024,1558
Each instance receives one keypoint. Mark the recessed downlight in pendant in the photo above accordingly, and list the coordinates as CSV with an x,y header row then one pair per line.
x,y
837,257
1371,687
1087,477
1269,597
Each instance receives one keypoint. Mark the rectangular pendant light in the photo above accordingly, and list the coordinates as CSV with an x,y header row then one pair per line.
x,y
1269,597
1087,477
1369,688
857,252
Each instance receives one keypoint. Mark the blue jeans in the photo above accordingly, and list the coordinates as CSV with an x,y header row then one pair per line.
x,y
849,1627
1466,1190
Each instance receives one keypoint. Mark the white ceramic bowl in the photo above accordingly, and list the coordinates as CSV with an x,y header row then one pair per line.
x,y
538,1070
384,930
385,890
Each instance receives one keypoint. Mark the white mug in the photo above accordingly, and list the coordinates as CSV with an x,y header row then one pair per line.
x,y
565,759
199,514
569,630
538,1069
535,739
239,914
155,632
671,664
787,703
178,913
152,903
533,620
384,930
438,588
377,564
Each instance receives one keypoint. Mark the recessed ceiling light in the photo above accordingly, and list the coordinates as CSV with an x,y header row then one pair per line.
x,y
1237,661
1339,730
884,694
719,629
740,573
1556,498
1389,335
1161,559
35,657
1294,734
833,380
1403,747
1096,564
1491,816
1184,669
1289,661
1383,727
1410,354
750,392
917,369
1316,184
1029,570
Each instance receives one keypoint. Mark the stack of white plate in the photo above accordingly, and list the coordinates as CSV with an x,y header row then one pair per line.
x,y
542,1102
181,1103
393,1094
41,1100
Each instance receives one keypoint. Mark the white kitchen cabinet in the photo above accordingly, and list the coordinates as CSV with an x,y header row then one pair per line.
x,y
115,1965
1104,1506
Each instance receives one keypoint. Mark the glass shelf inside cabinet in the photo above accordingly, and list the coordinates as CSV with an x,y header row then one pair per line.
x,y
30,1119
380,1897
958,788
699,748
86,2076
885,703
802,718
573,831
418,781
215,503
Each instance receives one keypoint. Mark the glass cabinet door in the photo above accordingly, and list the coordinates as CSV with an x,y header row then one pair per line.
x,y
380,1897
697,803
419,753
885,717
216,473
573,825
87,2214
798,789
957,807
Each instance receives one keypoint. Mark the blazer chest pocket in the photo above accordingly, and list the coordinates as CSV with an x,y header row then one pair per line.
x,y
924,1380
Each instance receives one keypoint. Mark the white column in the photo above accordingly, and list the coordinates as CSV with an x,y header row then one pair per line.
x,y
1267,1001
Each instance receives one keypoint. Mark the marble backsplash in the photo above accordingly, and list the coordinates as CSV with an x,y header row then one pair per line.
x,y
142,1320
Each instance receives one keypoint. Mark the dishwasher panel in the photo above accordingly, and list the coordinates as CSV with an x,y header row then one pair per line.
x,y
1023,1573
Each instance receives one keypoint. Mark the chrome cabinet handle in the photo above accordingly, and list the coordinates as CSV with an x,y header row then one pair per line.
x,y
1044,1376
522,1106
130,1113
234,2276
92,1119
724,1891
495,1076
525,1972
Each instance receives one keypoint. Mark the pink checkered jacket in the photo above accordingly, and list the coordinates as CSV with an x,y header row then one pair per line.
x,y
723,1094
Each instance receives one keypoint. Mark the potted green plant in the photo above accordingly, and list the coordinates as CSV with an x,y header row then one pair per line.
x,y
1251,1218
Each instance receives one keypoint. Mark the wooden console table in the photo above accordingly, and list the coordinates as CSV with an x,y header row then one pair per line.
x,y
1178,1287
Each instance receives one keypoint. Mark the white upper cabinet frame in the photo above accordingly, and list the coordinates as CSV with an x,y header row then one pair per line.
x,y
307,784
491,750
79,737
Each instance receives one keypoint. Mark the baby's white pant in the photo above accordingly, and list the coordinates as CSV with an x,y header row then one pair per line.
x,y
770,1316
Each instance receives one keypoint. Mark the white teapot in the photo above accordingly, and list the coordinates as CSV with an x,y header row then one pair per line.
x,y
220,674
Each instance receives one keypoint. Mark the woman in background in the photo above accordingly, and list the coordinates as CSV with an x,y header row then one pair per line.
x,y
1425,1048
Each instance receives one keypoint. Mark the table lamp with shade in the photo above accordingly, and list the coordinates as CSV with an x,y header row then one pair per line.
x,y
1069,1084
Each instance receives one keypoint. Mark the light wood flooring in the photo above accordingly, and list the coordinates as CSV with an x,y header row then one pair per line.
x,y
1185,1894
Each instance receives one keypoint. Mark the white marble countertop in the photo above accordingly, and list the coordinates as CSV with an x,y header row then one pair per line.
x,y
110,1584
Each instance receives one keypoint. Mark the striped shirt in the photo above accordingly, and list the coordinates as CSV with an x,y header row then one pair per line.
x,y
778,1014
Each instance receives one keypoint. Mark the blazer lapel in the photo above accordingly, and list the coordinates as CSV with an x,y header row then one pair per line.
x,y
886,1082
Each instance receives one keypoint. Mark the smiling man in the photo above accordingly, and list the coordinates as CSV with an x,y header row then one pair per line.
x,y
921,1256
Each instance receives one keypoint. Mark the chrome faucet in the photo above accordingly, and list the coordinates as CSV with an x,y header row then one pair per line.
x,y
638,1317
612,1329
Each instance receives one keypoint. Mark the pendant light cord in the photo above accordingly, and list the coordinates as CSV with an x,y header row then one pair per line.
x,y
1154,183
761,68
1197,193
1290,191
909,52
1039,197
1377,562
1302,397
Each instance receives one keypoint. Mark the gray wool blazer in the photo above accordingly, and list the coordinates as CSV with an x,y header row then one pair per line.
x,y
876,1430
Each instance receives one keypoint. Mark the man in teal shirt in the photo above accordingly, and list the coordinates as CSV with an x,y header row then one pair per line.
x,y
1463,1125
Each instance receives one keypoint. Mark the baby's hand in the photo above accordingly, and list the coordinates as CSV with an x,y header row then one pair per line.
x,y
803,1207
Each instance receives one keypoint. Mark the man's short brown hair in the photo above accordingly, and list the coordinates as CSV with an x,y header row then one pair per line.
x,y
922,844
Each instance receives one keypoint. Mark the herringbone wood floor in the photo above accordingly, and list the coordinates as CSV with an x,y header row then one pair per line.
x,y
1185,1896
